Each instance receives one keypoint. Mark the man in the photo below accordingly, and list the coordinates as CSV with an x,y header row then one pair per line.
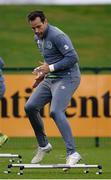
x,y
3,137
60,77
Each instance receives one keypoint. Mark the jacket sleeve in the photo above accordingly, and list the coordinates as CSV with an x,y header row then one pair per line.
x,y
70,57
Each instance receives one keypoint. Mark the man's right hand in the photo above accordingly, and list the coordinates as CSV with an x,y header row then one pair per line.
x,y
40,76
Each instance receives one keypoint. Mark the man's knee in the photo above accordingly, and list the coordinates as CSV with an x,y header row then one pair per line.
x,y
54,114
28,107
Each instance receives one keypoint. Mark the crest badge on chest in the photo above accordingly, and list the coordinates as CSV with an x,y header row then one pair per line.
x,y
49,45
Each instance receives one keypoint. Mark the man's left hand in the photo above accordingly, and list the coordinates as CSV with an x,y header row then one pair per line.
x,y
44,68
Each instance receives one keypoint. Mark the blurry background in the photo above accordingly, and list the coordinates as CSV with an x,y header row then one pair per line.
x,y
89,27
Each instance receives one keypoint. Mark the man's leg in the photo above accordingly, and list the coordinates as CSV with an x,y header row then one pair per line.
x,y
3,137
37,100
62,91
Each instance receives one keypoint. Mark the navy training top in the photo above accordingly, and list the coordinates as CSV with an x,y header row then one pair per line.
x,y
57,49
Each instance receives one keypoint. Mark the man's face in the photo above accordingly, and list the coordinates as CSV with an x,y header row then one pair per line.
x,y
38,26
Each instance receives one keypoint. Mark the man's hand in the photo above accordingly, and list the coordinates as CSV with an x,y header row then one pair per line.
x,y
44,68
40,71
38,79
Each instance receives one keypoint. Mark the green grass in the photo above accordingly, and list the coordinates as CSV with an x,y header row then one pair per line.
x,y
88,26
90,154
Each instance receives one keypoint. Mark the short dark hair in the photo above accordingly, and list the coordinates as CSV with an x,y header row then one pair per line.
x,y
32,16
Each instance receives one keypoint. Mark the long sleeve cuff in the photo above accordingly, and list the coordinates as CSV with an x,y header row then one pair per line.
x,y
51,67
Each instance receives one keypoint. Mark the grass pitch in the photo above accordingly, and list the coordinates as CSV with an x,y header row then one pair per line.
x,y
89,28
86,147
